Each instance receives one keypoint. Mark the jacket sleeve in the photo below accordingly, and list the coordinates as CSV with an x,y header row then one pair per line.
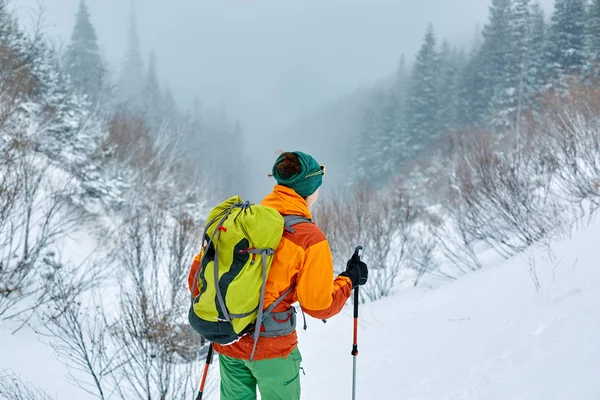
x,y
192,284
319,294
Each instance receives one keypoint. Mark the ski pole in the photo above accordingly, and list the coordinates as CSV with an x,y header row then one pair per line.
x,y
209,357
357,252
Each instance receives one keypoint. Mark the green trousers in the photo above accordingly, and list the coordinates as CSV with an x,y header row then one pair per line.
x,y
276,378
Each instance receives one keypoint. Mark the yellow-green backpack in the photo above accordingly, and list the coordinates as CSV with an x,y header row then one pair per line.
x,y
239,242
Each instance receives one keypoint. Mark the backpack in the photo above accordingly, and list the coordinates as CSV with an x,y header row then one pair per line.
x,y
239,243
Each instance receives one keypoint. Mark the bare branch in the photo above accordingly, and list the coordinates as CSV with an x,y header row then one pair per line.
x,y
12,387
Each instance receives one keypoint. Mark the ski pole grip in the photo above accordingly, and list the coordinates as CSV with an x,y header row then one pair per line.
x,y
358,250
358,253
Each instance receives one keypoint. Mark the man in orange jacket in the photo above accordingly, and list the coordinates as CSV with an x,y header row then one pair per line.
x,y
302,260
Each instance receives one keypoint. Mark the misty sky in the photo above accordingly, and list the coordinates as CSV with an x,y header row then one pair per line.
x,y
269,61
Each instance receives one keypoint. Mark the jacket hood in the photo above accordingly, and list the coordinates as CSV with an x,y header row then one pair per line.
x,y
287,202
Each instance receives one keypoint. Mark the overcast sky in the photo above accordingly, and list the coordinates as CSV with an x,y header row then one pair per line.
x,y
269,61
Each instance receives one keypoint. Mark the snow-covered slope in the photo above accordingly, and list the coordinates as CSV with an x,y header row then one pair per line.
x,y
491,335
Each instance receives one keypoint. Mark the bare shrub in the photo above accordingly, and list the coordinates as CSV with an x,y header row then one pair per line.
x,y
569,126
158,173
129,137
154,251
380,222
501,197
79,335
429,244
138,345
35,217
456,244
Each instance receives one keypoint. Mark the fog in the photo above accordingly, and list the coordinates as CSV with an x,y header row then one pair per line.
x,y
269,61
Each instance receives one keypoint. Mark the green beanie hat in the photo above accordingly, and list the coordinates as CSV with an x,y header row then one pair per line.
x,y
307,181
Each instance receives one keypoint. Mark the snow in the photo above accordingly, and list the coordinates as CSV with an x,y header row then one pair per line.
x,y
489,335
492,334
27,357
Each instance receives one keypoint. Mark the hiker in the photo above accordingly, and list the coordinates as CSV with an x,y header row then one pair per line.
x,y
303,267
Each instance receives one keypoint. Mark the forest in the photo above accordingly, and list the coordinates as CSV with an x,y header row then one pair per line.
x,y
105,182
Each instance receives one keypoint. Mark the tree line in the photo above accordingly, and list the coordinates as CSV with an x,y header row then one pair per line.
x,y
516,57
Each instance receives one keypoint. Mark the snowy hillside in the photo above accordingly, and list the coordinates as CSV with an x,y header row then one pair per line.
x,y
490,335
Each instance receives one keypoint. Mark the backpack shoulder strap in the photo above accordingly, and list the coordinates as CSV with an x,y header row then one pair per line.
x,y
290,220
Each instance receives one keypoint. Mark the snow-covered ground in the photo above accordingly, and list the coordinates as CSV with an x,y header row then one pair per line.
x,y
491,335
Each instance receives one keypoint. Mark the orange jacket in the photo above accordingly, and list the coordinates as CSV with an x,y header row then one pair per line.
x,y
302,258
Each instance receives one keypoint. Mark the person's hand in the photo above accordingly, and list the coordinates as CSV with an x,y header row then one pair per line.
x,y
356,270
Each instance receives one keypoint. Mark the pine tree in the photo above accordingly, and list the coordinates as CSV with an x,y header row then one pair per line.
x,y
378,150
152,96
473,95
214,144
400,92
232,172
450,61
367,153
520,25
83,62
593,39
495,55
510,93
537,73
397,103
422,100
193,136
131,84
390,140
567,39
170,107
